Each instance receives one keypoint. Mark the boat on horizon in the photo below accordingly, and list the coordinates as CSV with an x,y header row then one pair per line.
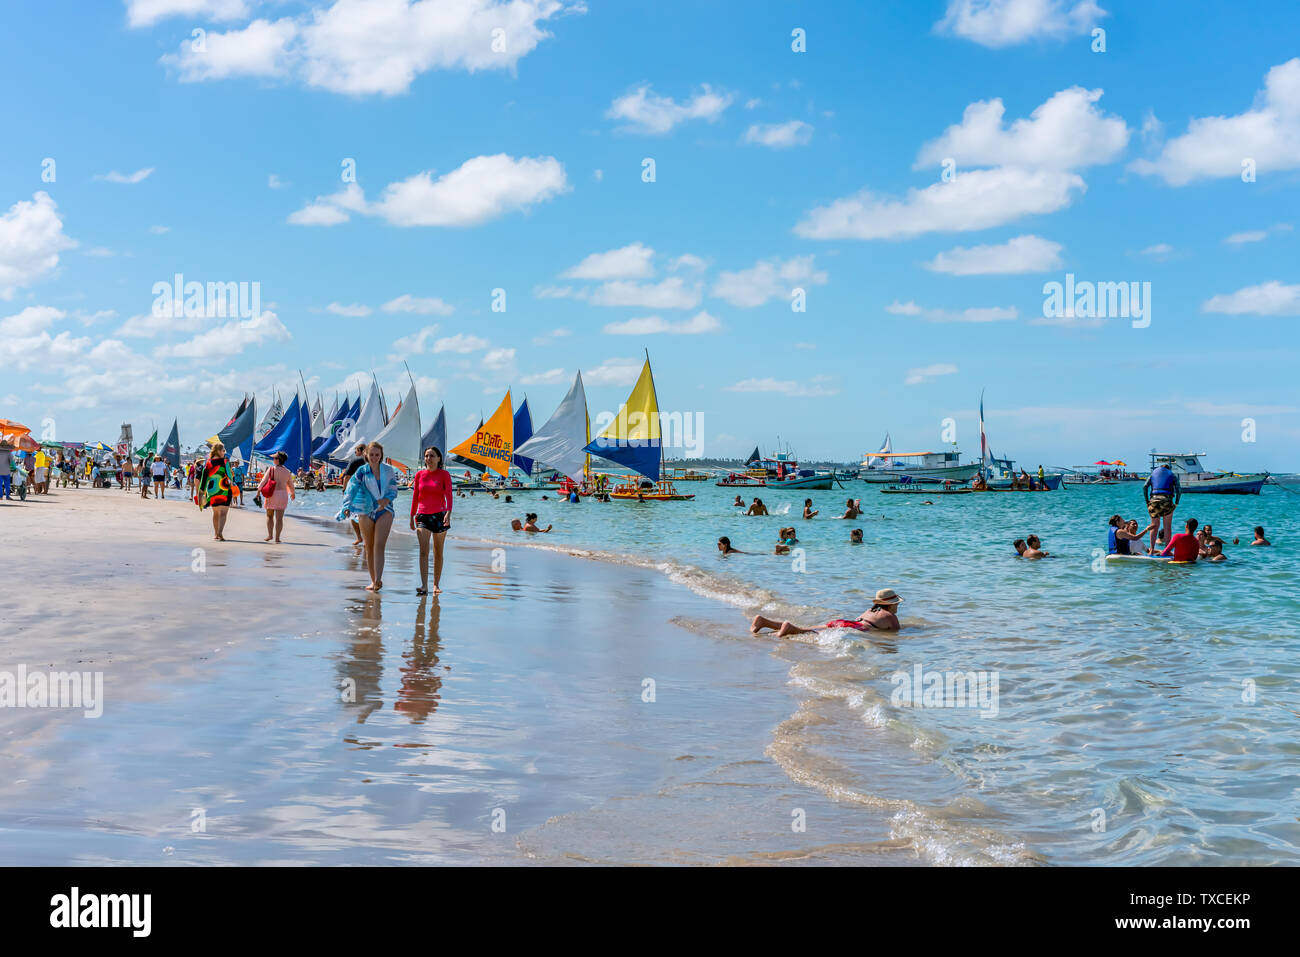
x,y
1194,477
884,468
778,471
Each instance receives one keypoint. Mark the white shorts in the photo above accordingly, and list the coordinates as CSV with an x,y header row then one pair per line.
x,y
40,475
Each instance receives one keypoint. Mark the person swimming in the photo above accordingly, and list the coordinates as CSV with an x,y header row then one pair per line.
x,y
738,503
808,510
855,537
882,616
1259,536
1028,548
530,523
724,546
786,541
852,508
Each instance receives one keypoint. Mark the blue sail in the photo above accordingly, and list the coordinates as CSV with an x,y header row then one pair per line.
x,y
286,437
523,432
436,437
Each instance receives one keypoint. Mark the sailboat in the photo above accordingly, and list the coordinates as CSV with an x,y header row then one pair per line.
x,y
561,443
634,440
493,443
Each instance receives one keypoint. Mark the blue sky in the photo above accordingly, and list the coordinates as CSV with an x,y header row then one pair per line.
x,y
521,168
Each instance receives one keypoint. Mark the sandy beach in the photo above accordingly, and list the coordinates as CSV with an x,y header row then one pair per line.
x,y
261,707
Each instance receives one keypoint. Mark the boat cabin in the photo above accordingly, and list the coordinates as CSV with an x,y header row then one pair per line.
x,y
1184,463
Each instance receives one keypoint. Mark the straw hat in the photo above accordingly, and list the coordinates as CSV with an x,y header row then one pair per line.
x,y
887,596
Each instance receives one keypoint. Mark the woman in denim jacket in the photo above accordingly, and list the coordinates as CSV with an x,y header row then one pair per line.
x,y
369,498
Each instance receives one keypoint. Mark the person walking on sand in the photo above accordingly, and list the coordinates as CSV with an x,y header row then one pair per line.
x,y
369,496
277,490
431,500
880,617
215,489
159,470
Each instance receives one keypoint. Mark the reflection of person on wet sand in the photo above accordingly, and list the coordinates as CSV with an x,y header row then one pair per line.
x,y
360,670
418,695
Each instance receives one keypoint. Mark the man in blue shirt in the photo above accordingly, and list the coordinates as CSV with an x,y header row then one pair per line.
x,y
1162,493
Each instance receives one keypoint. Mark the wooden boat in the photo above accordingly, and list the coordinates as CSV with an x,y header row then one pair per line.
x,y
1192,476
923,490
663,491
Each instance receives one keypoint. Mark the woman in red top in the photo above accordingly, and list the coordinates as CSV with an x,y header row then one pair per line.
x,y
431,498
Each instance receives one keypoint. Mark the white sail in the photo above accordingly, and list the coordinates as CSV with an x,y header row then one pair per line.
x,y
318,420
401,437
370,422
562,441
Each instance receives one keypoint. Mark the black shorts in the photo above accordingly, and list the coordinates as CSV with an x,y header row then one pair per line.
x,y
431,522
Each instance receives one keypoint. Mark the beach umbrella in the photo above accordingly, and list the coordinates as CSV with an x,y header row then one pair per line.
x,y
17,435
1103,463
1120,462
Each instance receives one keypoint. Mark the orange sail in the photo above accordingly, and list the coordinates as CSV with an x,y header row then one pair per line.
x,y
493,444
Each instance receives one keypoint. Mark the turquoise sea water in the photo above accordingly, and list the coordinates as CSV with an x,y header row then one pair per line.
x,y
1144,714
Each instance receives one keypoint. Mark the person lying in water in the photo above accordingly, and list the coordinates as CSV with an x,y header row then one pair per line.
x,y
881,617
724,546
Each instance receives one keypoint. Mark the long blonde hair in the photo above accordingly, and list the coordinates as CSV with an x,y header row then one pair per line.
x,y
217,449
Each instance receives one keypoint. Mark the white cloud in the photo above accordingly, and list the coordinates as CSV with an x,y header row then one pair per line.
x,y
979,199
30,321
355,310
643,111
671,293
273,182
926,373
229,339
1257,235
460,343
790,387
553,292
780,135
767,279
99,252
31,238
424,307
145,13
614,372
1003,23
982,314
480,189
1023,254
1267,299
549,377
1215,146
1066,132
687,261
1158,251
159,230
115,177
546,338
700,323
497,359
366,47
148,325
417,343
634,261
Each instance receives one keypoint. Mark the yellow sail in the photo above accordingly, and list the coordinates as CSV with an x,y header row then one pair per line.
x,y
633,439
493,443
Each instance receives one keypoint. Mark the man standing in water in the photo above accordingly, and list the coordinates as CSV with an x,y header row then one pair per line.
x,y
1162,493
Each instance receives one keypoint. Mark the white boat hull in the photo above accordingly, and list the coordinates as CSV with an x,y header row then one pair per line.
x,y
953,473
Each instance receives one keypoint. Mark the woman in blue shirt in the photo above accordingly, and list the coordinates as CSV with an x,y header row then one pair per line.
x,y
369,498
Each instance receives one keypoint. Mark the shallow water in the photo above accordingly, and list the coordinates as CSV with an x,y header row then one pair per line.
x,y
1144,715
